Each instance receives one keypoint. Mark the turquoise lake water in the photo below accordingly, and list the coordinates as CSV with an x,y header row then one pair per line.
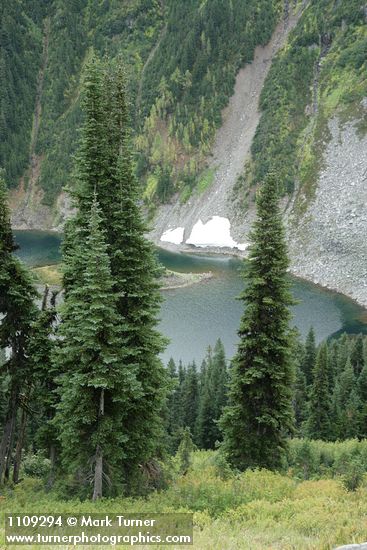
x,y
195,316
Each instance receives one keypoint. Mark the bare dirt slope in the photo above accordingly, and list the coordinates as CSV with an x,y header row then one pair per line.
x,y
231,147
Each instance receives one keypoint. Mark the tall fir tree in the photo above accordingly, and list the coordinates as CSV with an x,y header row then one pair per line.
x,y
213,398
259,418
362,394
300,401
97,385
104,164
309,357
319,420
45,398
346,404
190,398
173,409
356,355
205,424
220,380
344,349
18,311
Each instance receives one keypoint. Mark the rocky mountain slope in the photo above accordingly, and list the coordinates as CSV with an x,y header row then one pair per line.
x,y
271,84
230,151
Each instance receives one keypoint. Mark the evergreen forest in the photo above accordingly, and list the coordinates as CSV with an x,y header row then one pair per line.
x,y
265,449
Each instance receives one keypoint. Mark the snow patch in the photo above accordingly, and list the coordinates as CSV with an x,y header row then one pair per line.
x,y
174,236
216,232
242,246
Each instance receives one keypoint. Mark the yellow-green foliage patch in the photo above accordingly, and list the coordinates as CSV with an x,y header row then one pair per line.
x,y
205,180
255,510
49,274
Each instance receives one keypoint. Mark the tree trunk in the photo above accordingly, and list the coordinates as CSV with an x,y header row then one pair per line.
x,y
98,468
9,453
51,477
8,433
98,474
19,447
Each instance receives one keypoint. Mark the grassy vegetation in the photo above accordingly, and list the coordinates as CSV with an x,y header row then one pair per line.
x,y
255,510
48,274
52,275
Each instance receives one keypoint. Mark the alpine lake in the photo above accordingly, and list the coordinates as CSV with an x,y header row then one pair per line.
x,y
194,317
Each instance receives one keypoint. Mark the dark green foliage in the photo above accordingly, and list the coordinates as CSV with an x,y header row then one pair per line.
x,y
300,401
196,399
20,59
3,387
91,356
187,87
174,412
300,393
178,93
334,406
104,166
345,460
190,398
319,420
67,29
213,397
18,313
362,394
309,358
346,404
259,418
356,356
44,397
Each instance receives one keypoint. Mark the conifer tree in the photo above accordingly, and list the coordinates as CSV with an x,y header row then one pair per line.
x,y
18,311
300,400
89,169
104,164
319,421
42,347
333,359
309,358
259,418
190,398
173,408
205,419
347,405
3,388
97,385
220,380
356,355
362,395
344,349
212,398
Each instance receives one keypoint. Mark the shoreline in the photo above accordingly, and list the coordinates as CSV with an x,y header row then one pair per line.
x,y
241,255
237,254
171,280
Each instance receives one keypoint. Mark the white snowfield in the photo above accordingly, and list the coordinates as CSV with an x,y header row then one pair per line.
x,y
214,233
174,236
